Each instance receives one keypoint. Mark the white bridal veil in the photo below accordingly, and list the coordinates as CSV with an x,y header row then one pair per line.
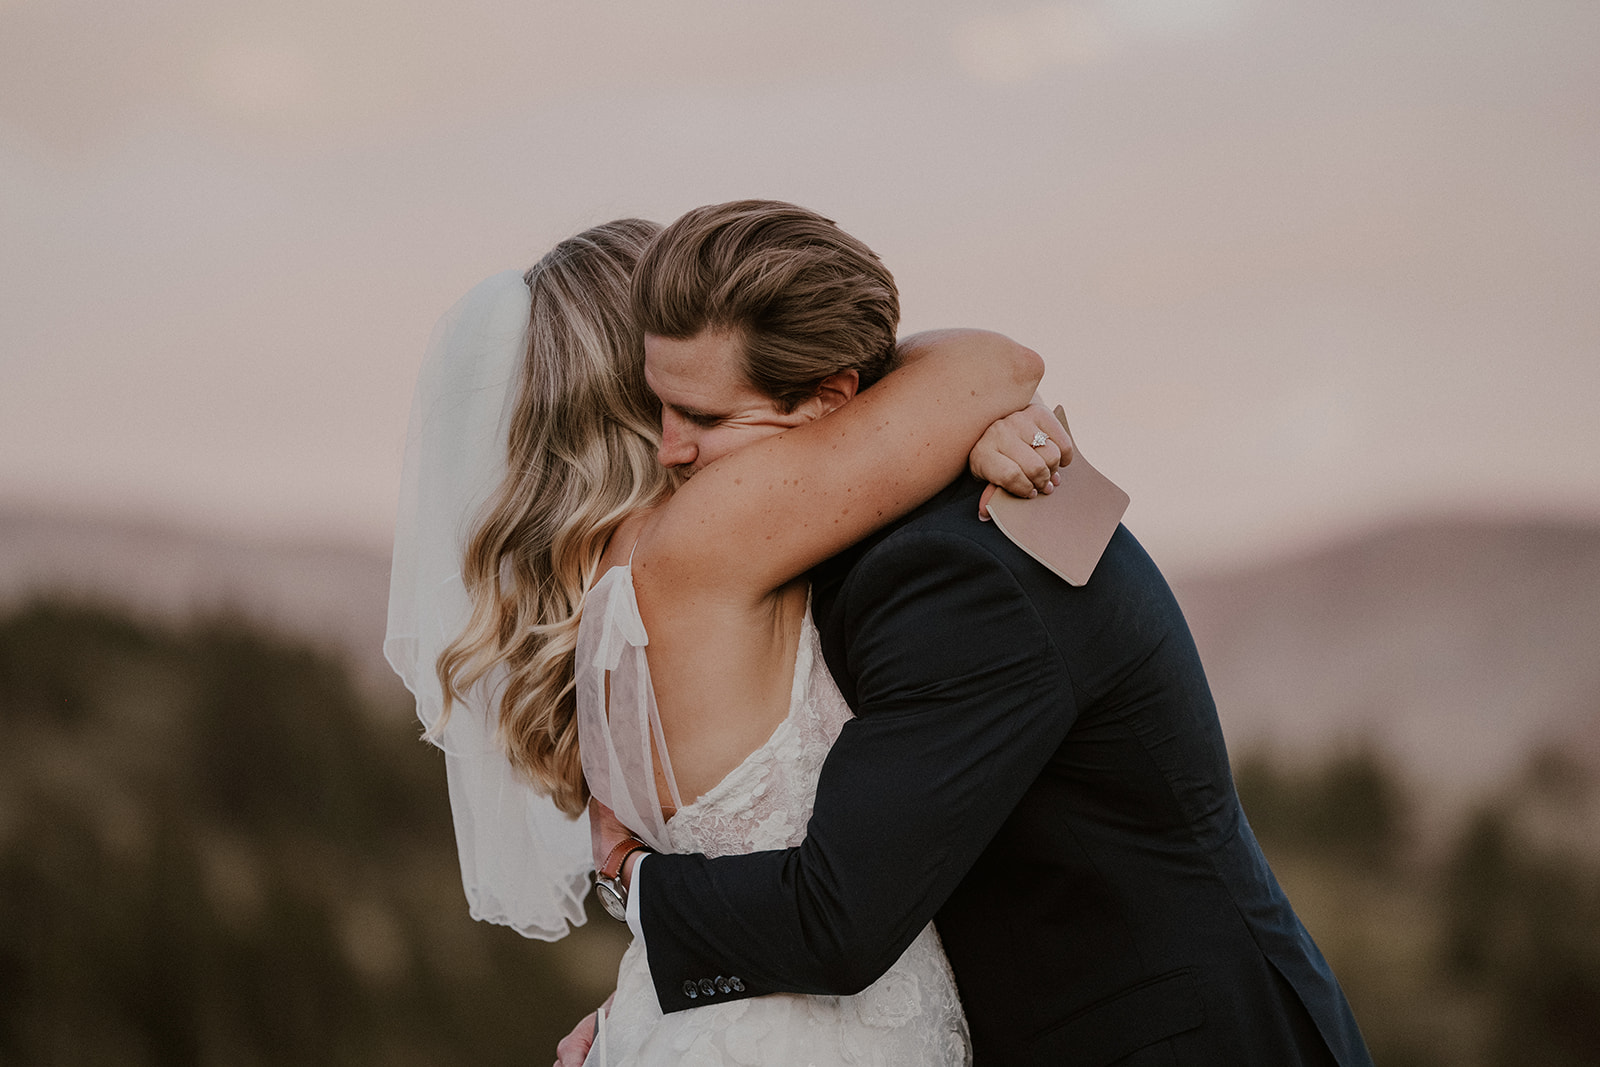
x,y
523,863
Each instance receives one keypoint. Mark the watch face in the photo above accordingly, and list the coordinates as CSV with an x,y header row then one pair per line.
x,y
615,903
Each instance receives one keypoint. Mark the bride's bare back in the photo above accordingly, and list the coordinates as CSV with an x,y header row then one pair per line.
x,y
722,671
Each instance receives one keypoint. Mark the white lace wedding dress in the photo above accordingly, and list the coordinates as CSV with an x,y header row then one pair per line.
x,y
910,1016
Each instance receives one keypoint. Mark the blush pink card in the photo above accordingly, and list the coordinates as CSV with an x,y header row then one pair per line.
x,y
1068,529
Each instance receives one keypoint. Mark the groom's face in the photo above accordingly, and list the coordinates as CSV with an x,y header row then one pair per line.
x,y
708,408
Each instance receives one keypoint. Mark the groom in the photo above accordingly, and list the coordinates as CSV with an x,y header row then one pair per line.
x,y
1036,766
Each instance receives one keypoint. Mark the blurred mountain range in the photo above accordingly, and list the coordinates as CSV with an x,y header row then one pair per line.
x,y
1458,649
335,594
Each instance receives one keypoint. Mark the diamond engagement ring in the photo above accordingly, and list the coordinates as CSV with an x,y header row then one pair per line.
x,y
1040,438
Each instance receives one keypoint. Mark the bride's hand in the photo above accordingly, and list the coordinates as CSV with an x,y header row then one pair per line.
x,y
1006,455
574,1048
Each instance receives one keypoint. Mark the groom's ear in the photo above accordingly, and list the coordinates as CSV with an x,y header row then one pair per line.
x,y
836,390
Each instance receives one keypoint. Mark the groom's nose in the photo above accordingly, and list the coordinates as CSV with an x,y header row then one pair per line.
x,y
678,447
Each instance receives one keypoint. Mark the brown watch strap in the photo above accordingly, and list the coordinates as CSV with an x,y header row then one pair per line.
x,y
619,854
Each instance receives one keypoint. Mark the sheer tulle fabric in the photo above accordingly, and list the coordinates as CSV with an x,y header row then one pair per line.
x,y
524,864
617,736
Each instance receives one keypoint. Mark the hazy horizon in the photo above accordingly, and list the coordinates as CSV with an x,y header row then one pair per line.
x,y
1297,270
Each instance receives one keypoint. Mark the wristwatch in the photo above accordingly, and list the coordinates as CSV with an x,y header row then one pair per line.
x,y
608,879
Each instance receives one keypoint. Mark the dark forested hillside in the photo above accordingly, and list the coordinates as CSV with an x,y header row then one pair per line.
x,y
1481,950
214,850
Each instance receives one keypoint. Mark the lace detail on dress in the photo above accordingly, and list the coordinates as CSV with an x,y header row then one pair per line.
x,y
912,1015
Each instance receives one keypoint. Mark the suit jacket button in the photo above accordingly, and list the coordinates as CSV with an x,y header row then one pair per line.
x,y
723,986
736,983
707,988
690,991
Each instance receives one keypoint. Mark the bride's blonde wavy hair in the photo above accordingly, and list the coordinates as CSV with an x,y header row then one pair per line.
x,y
580,457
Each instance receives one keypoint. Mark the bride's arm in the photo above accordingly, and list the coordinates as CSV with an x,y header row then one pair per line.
x,y
760,516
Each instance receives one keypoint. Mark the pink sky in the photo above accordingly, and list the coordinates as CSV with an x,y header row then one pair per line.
x,y
1296,268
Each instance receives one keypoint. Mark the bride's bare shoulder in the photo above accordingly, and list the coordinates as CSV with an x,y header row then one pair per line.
x,y
619,550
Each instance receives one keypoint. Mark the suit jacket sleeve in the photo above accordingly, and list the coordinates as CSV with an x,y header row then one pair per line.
x,y
961,696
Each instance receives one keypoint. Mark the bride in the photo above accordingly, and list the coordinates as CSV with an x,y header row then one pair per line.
x,y
540,542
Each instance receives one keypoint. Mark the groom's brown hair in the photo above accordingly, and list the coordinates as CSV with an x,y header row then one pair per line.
x,y
805,298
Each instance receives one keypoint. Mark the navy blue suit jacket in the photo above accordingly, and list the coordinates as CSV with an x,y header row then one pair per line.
x,y
1040,769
